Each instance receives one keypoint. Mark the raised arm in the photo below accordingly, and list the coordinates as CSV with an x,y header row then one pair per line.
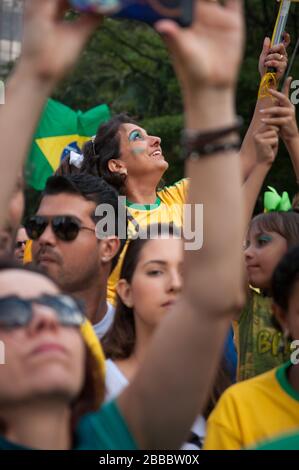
x,y
277,120
266,142
275,57
283,114
50,48
163,400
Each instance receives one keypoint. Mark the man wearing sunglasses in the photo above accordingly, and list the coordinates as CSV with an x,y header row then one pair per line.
x,y
65,244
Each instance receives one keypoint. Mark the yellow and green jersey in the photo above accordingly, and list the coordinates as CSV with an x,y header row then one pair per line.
x,y
284,442
253,411
169,207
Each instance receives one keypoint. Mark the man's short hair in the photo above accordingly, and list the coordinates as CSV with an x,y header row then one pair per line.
x,y
94,189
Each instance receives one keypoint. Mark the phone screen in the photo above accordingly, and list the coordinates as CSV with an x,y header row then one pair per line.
x,y
148,11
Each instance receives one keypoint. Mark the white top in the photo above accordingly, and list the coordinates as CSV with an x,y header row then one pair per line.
x,y
116,382
103,326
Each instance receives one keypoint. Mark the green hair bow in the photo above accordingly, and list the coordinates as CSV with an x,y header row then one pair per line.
x,y
274,202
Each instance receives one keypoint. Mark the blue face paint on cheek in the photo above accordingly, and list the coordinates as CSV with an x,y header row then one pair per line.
x,y
138,143
138,150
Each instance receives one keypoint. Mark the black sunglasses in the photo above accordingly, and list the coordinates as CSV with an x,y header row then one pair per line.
x,y
65,227
16,312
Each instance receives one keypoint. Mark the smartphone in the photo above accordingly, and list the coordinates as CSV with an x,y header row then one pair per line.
x,y
148,11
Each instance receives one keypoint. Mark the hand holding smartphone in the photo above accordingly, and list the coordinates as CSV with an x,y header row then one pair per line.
x,y
148,11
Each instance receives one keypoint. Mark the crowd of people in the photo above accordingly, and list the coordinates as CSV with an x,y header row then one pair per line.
x,y
118,339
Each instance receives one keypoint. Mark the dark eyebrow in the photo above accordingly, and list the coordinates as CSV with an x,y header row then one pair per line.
x,y
59,215
161,262
157,261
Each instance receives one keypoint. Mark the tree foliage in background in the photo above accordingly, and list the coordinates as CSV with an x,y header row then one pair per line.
x,y
127,66
260,21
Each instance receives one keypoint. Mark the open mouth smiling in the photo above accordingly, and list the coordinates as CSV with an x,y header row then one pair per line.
x,y
156,154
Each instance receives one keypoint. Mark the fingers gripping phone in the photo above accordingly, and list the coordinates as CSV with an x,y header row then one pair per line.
x,y
148,11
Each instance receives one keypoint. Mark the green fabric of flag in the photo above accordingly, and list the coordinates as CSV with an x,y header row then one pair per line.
x,y
60,130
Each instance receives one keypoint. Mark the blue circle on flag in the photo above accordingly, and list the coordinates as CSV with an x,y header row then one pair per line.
x,y
71,147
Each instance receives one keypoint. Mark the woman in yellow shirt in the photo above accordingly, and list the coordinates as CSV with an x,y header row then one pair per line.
x,y
133,162
268,405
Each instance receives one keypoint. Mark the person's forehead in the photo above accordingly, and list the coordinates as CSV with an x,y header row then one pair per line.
x,y
66,204
128,128
256,229
25,284
168,250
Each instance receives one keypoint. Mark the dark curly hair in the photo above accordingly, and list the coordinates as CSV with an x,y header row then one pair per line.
x,y
105,146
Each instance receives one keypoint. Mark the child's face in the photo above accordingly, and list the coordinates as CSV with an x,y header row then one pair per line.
x,y
263,251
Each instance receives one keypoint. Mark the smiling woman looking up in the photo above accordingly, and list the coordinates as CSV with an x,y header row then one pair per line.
x,y
133,162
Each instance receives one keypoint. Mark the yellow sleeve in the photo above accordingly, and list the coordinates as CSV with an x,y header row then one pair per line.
x,y
28,252
114,278
175,194
223,430
112,283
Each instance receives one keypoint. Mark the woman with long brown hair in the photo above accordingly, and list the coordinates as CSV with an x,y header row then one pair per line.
x,y
150,284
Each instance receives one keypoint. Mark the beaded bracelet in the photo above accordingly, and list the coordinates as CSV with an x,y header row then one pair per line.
x,y
200,144
211,149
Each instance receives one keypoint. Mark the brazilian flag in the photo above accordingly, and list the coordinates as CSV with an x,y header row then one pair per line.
x,y
60,130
